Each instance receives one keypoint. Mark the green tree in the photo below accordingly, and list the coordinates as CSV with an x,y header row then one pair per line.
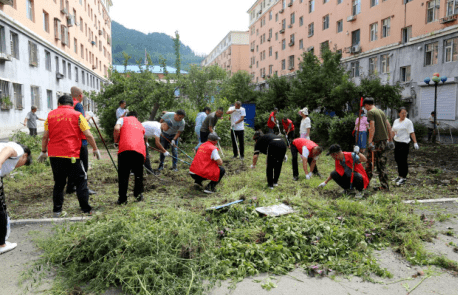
x,y
384,95
177,45
276,95
239,87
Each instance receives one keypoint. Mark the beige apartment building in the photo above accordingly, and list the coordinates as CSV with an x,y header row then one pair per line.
x,y
400,40
231,54
46,47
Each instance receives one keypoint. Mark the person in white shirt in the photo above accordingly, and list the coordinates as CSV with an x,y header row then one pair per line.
x,y
153,130
402,131
305,124
238,114
199,120
121,112
12,155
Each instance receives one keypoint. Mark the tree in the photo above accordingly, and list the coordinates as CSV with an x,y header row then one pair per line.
x,y
239,88
177,45
276,94
384,95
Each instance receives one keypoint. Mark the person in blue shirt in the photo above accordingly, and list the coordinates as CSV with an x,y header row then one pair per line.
x,y
199,120
121,112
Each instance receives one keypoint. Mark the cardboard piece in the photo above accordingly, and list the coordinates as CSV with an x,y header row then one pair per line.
x,y
275,210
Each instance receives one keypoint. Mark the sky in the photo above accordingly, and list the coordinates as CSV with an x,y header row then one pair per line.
x,y
202,24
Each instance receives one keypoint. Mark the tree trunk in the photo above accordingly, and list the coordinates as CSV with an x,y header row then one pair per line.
x,y
154,111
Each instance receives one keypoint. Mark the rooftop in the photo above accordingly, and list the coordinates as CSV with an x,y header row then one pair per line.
x,y
153,69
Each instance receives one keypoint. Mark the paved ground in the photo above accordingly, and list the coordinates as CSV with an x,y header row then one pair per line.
x,y
433,280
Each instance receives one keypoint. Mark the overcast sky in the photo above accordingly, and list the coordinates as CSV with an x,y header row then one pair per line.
x,y
202,24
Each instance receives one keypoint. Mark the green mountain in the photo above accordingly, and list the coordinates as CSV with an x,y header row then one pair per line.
x,y
157,45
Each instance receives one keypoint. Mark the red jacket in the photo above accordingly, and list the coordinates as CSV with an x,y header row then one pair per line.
x,y
75,102
299,143
271,124
286,125
132,136
64,133
358,168
203,165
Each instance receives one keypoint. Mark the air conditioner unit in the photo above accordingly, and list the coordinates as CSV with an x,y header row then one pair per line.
x,y
252,49
351,18
64,10
291,43
59,76
268,39
290,67
268,76
70,21
448,19
356,49
94,67
282,31
290,4
260,11
263,75
7,2
228,66
310,48
5,57
100,32
290,26
281,10
93,42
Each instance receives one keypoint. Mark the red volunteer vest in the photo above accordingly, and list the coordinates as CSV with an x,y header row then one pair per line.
x,y
299,143
285,125
271,124
64,133
132,136
358,168
203,165
75,102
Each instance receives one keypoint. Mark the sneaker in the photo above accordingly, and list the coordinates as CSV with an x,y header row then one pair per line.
x,y
91,192
401,181
139,198
59,214
275,184
295,178
198,186
271,187
209,190
381,189
118,202
397,179
9,246
161,167
359,195
242,158
175,169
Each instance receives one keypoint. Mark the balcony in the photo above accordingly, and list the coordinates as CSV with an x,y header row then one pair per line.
x,y
291,43
448,19
282,31
281,10
351,18
7,2
290,4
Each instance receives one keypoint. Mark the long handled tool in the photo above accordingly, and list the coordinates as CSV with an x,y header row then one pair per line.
x,y
177,147
357,136
237,144
170,156
108,151
222,153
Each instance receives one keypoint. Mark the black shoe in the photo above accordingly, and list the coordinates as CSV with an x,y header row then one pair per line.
x,y
161,167
381,189
295,178
345,192
209,190
118,202
91,192
139,198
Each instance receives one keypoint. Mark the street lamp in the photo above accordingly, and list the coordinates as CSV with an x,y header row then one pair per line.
x,y
436,79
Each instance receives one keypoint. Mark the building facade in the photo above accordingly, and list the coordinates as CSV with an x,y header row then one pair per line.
x,y
46,47
401,41
231,54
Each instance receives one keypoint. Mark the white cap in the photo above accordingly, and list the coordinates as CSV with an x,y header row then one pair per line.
x,y
305,111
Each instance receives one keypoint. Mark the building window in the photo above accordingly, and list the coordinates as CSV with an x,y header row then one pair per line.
x,y
276,55
339,1
326,22
432,10
406,34
64,67
270,35
48,60
283,24
29,4
283,44
386,27
451,50
385,63
82,77
81,25
276,17
355,38
35,96
270,15
311,6
283,4
325,1
69,67
33,54
283,64
374,3
270,51
301,44
301,21
82,51
323,46
431,52
339,26
4,89
276,36
76,74
354,69
271,68
45,21
452,7
373,65
356,5
57,64
311,30
373,31
291,62
14,38
49,98
2,40
18,97
405,74
293,18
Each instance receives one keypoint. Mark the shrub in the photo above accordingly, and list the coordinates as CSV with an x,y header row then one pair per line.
x,y
223,129
32,142
340,132
319,132
260,121
420,131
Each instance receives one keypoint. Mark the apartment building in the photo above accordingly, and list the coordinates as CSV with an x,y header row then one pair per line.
x,y
399,40
231,54
46,47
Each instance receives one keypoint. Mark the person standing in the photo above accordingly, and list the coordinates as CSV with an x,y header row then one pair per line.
x,y
199,120
130,134
344,162
288,127
432,129
171,136
306,124
379,141
272,121
238,114
153,130
62,142
308,150
362,137
208,125
275,148
77,95
12,156
402,131
207,164
121,112
31,121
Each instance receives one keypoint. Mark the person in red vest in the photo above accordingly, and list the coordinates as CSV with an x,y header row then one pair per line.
x,y
288,127
207,164
130,134
344,165
272,121
64,128
308,150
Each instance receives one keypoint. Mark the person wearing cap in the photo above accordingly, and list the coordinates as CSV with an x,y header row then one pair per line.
x,y
344,162
379,142
61,141
207,165
272,121
199,120
288,127
171,136
12,155
238,114
309,152
208,125
31,121
305,124
275,148
153,130
130,134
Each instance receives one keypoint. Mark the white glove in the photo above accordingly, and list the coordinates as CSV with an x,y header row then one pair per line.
x,y
323,184
415,145
97,154
356,149
167,154
252,166
173,142
308,176
307,137
42,157
285,159
147,144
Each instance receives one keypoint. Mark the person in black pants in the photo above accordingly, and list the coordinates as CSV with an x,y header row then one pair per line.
x,y
239,134
130,161
275,148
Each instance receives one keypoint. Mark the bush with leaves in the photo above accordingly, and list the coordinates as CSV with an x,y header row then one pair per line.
x,y
340,132
319,132
420,131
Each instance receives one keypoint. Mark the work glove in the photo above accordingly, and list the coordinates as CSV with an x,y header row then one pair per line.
x,y
116,145
355,158
147,144
415,145
97,154
356,149
323,184
252,166
371,146
308,176
42,157
390,145
167,154
173,142
285,159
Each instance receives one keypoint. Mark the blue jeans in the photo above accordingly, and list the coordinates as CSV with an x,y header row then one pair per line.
x,y
362,139
198,140
166,144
